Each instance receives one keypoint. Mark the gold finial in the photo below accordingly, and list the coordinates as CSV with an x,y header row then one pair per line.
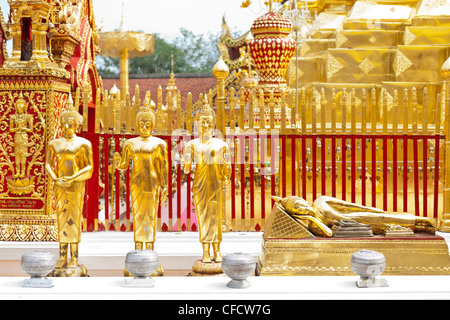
x,y
220,70
172,86
123,25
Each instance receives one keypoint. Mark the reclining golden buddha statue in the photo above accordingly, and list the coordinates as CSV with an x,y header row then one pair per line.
x,y
325,212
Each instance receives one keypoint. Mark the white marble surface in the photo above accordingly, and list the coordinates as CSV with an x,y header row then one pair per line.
x,y
214,288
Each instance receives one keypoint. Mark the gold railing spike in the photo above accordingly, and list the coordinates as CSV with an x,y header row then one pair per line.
x,y
395,112
363,110
425,111
189,113
98,110
405,110
333,110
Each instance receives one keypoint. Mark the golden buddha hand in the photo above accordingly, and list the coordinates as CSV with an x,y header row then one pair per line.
x,y
164,194
116,159
62,182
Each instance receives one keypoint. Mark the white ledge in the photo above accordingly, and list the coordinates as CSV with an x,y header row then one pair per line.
x,y
214,288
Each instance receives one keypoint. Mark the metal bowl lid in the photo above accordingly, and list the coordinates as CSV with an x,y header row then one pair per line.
x,y
238,258
365,256
38,255
142,255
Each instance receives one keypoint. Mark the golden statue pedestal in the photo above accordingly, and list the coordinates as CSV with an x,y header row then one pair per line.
x,y
210,269
77,271
289,249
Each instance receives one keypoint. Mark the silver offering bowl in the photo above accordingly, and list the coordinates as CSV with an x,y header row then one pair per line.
x,y
38,264
238,266
368,265
142,263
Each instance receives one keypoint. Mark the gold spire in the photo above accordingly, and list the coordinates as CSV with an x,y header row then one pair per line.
x,y
172,86
123,24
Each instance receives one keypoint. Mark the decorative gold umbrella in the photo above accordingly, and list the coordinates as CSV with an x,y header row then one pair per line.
x,y
126,44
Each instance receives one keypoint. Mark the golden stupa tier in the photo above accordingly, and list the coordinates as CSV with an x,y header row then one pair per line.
x,y
309,69
419,63
368,38
375,43
359,65
424,35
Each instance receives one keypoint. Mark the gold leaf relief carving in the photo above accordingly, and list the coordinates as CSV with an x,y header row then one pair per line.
x,y
340,40
304,49
401,63
366,66
408,36
333,66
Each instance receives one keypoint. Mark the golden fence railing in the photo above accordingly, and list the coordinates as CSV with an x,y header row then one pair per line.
x,y
376,146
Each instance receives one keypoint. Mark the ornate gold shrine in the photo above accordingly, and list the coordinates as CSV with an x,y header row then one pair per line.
x,y
35,83
289,249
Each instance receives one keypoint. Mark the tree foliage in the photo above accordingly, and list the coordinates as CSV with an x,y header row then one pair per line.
x,y
192,53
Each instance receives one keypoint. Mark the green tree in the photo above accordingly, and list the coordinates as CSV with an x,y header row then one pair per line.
x,y
191,54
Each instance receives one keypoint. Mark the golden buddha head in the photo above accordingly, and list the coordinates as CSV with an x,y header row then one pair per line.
x,y
145,120
205,118
20,105
70,119
295,205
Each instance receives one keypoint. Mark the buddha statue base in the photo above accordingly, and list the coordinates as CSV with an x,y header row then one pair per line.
x,y
76,271
200,268
299,253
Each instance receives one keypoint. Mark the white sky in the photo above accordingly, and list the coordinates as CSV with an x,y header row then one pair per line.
x,y
166,17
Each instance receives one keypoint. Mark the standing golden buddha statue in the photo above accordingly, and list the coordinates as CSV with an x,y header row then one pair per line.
x,y
149,177
21,123
212,171
69,163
